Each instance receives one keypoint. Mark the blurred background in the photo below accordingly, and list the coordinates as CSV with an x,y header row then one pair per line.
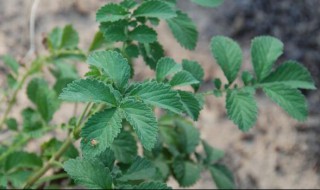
x,y
278,152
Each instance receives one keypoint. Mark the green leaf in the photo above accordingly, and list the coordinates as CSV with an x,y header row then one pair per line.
x,y
89,173
208,3
11,63
189,136
142,119
247,78
111,12
113,64
140,169
190,104
265,50
183,78
49,148
66,38
154,9
100,131
125,147
157,94
186,173
222,176
143,34
184,30
12,124
11,81
89,90
151,185
132,50
289,99
228,55
165,67
43,97
129,4
151,53
213,155
32,121
292,74
97,41
107,158
114,31
22,160
195,69
242,108
18,178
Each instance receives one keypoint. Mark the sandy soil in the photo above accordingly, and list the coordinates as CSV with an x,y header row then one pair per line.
x,y
277,153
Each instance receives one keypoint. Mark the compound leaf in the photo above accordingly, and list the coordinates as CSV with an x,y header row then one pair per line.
x,y
89,173
184,30
100,131
265,50
89,90
154,9
228,55
242,108
143,34
111,12
289,99
165,67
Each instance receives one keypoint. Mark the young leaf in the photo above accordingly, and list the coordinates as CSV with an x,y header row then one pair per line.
x,y
291,100
183,78
222,176
89,173
247,78
60,38
242,108
228,55
140,169
184,30
265,50
190,104
143,121
114,31
100,131
151,53
208,3
11,63
157,94
89,90
291,74
165,67
186,173
154,9
113,64
143,34
111,12
195,69
22,160
125,147
189,137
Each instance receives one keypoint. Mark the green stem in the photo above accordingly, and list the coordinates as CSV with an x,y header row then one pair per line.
x,y
50,178
13,148
13,99
77,129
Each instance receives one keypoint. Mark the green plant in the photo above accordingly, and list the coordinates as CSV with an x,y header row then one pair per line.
x,y
119,113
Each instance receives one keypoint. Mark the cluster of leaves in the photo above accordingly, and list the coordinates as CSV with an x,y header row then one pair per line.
x,y
121,113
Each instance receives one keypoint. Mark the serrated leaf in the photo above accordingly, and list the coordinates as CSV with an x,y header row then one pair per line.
x,y
186,172
151,185
292,74
265,50
89,90
151,53
100,131
132,50
289,99
11,63
184,30
165,67
213,155
208,3
125,147
107,158
247,78
111,12
143,34
140,169
129,4
113,64
190,104
222,176
65,37
228,55
242,108
89,173
183,78
22,160
195,69
114,31
142,119
157,94
154,9
189,136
